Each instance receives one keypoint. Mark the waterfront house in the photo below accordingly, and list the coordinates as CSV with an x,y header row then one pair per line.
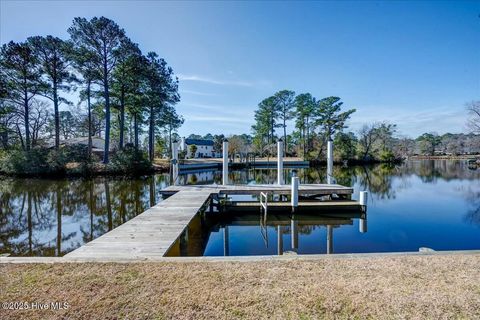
x,y
203,148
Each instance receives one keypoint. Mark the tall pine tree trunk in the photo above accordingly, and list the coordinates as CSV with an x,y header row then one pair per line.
x,y
307,127
107,112
56,115
135,129
151,135
27,120
90,142
170,142
122,117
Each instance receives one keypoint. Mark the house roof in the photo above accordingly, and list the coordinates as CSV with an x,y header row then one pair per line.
x,y
199,142
97,143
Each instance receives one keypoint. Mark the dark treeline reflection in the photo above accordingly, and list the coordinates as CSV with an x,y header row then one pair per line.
x,y
53,217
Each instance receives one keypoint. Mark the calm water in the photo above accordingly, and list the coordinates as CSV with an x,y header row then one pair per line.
x,y
433,204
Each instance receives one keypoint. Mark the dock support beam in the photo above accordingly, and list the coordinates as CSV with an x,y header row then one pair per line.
x,y
330,162
280,162
226,247
294,233
362,224
175,161
329,239
363,200
225,162
294,193
279,240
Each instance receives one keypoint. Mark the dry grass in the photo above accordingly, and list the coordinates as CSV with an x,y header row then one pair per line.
x,y
401,287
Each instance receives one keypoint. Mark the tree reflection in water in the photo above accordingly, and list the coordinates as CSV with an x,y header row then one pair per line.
x,y
52,217
473,198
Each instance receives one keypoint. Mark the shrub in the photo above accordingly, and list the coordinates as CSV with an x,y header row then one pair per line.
x,y
387,156
40,161
76,153
3,154
21,162
130,161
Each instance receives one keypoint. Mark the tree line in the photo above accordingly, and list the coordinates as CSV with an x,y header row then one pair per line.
x,y
318,120
123,91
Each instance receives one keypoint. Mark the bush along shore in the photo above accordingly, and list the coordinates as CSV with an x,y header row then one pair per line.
x,y
74,161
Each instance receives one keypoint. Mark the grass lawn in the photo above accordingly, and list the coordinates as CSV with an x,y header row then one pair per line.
x,y
404,287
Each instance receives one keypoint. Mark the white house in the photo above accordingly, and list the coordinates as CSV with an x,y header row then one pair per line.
x,y
204,148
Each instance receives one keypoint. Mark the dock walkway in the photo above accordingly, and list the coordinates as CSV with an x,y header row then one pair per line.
x,y
150,234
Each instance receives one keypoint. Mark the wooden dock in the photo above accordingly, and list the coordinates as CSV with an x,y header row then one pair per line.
x,y
304,189
150,234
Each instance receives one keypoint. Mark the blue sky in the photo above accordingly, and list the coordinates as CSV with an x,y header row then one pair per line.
x,y
411,63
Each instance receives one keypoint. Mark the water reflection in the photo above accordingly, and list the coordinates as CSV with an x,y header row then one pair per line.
x,y
53,217
214,234
473,198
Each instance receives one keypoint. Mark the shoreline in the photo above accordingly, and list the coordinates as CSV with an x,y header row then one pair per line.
x,y
457,158
162,166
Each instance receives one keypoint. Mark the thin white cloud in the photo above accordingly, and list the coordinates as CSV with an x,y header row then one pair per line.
x,y
218,108
441,120
197,78
237,116
198,93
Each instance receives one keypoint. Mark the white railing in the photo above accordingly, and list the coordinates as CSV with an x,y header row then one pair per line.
x,y
264,204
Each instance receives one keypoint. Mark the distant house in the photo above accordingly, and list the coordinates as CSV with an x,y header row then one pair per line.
x,y
98,144
204,148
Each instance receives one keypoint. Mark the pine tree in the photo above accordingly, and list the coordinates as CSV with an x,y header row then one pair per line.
x,y
52,54
102,38
284,101
21,73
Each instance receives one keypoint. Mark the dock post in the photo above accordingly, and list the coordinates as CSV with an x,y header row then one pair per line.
x,y
225,162
330,162
362,224
280,162
294,193
226,247
175,161
279,240
329,239
294,233
363,200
